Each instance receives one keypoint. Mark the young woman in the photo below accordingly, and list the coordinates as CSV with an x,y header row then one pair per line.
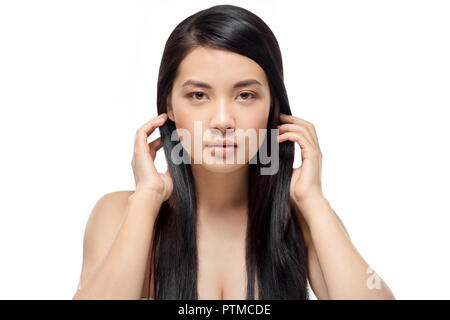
x,y
207,229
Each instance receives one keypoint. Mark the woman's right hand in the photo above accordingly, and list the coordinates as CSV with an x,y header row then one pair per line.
x,y
147,178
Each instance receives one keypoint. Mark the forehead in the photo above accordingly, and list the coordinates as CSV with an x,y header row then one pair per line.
x,y
218,67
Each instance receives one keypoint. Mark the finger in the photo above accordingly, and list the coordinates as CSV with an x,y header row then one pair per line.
x,y
154,146
306,147
155,122
296,120
289,127
143,132
291,119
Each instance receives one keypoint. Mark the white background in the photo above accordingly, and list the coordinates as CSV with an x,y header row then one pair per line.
x,y
77,78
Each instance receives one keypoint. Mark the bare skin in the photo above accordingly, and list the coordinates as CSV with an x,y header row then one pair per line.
x,y
118,226
222,273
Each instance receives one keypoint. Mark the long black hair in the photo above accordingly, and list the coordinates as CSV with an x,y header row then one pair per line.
x,y
275,248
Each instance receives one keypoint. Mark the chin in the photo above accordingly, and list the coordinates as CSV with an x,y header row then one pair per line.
x,y
223,167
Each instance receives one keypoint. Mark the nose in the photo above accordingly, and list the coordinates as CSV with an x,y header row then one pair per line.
x,y
222,119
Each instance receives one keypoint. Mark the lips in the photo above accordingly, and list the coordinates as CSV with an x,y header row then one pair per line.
x,y
222,144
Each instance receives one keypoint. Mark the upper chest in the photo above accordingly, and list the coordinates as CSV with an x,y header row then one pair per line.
x,y
221,264
221,267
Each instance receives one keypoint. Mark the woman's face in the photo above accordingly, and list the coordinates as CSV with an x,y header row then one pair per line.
x,y
211,102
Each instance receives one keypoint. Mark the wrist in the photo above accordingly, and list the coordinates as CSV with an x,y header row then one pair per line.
x,y
312,208
146,195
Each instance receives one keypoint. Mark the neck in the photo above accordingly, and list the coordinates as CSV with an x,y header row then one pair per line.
x,y
221,193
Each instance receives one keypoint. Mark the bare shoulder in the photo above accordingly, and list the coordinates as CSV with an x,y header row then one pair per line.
x,y
113,200
105,218
102,226
108,211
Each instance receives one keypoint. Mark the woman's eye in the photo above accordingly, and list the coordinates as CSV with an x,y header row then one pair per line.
x,y
196,94
245,95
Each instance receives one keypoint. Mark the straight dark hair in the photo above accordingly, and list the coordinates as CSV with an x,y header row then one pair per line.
x,y
275,248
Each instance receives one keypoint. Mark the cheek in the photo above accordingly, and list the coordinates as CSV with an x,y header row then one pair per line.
x,y
256,120
255,115
186,122
184,119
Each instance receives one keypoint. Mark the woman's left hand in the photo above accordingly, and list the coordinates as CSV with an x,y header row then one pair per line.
x,y
306,180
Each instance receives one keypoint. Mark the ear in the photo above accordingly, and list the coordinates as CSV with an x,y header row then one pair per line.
x,y
169,108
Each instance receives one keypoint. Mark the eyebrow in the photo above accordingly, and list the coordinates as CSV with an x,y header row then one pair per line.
x,y
239,84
